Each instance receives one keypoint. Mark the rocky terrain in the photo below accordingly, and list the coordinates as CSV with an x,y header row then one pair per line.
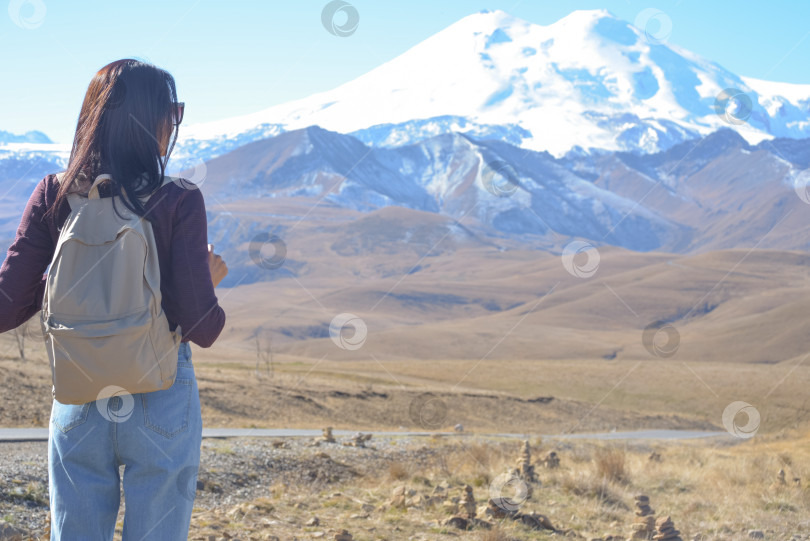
x,y
468,487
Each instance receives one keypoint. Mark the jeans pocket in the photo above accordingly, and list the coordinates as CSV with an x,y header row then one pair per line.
x,y
67,416
167,411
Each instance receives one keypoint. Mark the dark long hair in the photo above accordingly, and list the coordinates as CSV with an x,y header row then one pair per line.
x,y
128,108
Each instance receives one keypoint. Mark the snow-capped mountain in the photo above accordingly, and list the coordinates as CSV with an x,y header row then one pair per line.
x,y
588,81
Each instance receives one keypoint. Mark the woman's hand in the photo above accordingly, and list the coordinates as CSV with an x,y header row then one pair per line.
x,y
216,265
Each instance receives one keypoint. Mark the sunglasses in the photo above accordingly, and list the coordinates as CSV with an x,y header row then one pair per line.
x,y
179,109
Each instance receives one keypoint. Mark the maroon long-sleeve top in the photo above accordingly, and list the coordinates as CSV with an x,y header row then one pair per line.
x,y
181,235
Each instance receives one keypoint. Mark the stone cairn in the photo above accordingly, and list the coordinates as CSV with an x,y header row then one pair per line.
x,y
665,530
465,520
524,469
467,503
552,461
644,524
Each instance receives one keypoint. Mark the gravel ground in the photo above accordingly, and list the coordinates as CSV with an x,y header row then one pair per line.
x,y
232,471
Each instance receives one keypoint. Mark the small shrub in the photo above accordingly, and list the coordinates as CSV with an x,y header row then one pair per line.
x,y
398,470
610,464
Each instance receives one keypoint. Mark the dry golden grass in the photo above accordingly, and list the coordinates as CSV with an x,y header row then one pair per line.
x,y
719,489
610,464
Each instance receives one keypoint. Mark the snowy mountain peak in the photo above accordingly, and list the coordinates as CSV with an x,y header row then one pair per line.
x,y
587,81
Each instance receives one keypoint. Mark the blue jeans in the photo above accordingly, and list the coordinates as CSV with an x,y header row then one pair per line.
x,y
155,436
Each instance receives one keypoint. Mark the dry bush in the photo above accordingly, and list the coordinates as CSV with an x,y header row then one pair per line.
x,y
398,470
589,485
610,464
483,454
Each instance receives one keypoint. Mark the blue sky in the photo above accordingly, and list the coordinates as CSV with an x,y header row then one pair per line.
x,y
233,58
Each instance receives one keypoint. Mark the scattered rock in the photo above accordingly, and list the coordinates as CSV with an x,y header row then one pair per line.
x,y
10,533
459,428
344,535
327,435
314,521
406,497
500,508
655,456
756,534
467,523
358,440
535,521
459,522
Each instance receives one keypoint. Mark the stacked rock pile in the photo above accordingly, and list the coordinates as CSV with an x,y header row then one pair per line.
x,y
524,469
665,530
644,524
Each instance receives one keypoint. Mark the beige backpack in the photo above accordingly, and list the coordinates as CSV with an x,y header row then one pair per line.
x,y
104,327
